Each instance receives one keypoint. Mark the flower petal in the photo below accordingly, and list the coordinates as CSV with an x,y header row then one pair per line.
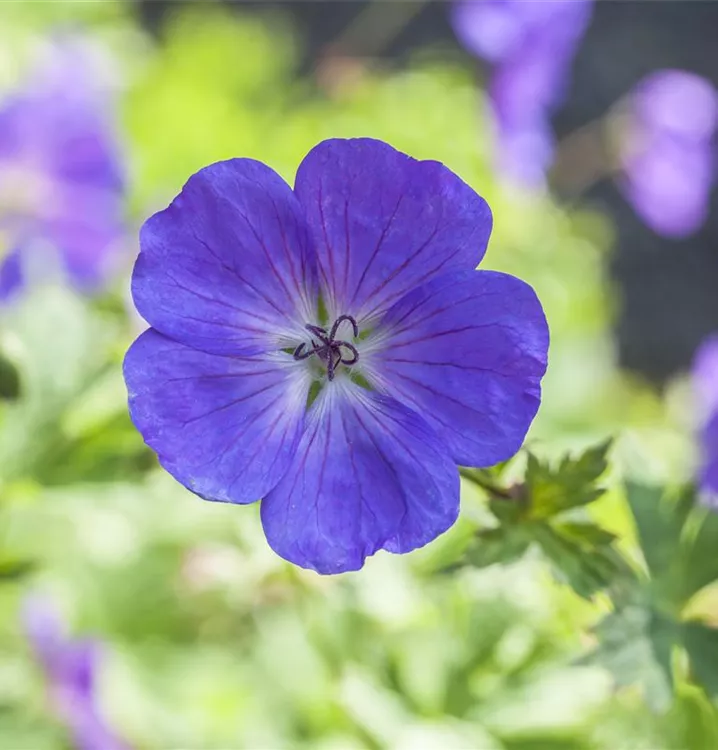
x,y
43,627
228,266
383,222
368,474
705,376
12,276
669,183
78,665
467,351
225,427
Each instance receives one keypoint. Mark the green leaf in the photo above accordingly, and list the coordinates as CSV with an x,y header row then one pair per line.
x,y
587,563
585,532
59,346
503,544
12,569
701,642
556,742
507,511
9,379
693,721
699,551
678,538
659,522
635,645
570,485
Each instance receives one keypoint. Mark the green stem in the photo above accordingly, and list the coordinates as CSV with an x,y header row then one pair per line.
x,y
486,486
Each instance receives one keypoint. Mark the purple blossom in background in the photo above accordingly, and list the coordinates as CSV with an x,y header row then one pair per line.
x,y
360,282
531,44
60,179
69,666
668,157
705,377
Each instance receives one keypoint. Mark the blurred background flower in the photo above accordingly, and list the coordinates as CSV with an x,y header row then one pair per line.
x,y
61,175
70,668
669,151
531,46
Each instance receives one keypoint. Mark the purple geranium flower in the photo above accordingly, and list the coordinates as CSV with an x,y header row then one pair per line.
x,y
360,284
60,181
668,157
705,376
531,45
70,667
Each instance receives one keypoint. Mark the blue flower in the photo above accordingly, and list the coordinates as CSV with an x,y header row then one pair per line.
x,y
331,348
60,181
531,44
70,667
669,153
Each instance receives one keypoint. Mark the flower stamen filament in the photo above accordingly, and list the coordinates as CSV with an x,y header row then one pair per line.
x,y
330,349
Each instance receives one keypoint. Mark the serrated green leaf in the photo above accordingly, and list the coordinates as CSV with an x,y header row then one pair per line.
x,y
507,511
583,565
585,532
659,522
581,552
570,485
678,538
504,544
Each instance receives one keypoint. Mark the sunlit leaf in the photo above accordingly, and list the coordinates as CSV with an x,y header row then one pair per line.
x,y
699,551
693,720
542,512
571,484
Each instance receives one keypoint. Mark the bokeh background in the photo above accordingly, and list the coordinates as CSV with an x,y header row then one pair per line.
x,y
201,638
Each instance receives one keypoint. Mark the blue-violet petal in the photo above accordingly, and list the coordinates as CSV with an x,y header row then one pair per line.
x,y
468,352
225,427
228,267
383,222
368,474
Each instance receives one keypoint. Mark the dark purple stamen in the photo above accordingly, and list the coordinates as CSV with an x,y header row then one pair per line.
x,y
329,349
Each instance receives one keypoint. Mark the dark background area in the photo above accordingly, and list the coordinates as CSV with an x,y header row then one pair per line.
x,y
668,289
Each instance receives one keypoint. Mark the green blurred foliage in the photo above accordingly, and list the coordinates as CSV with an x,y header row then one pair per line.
x,y
212,641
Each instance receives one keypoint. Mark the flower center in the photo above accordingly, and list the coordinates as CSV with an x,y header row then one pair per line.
x,y
329,349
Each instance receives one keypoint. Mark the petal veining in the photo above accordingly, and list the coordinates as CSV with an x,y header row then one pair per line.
x,y
468,352
225,427
368,474
383,222
228,268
